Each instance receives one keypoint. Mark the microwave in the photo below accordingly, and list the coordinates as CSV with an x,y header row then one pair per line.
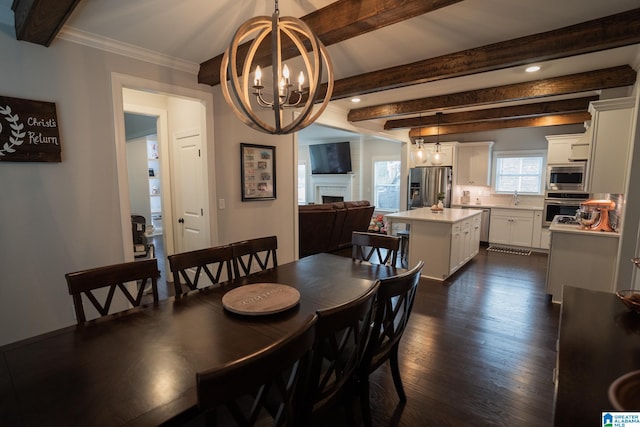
x,y
567,176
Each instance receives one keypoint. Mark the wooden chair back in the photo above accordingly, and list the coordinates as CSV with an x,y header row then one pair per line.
x,y
215,262
262,251
384,247
263,386
112,277
342,334
393,308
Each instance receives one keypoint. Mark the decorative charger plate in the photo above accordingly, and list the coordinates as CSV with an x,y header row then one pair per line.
x,y
260,298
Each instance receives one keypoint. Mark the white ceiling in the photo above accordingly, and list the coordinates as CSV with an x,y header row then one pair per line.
x,y
197,30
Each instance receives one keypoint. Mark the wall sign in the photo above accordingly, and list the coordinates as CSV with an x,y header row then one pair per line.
x,y
28,131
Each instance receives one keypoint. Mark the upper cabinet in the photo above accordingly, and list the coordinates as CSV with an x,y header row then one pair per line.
x,y
473,166
611,145
567,148
446,149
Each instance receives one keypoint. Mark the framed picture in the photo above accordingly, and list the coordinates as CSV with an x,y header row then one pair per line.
x,y
258,172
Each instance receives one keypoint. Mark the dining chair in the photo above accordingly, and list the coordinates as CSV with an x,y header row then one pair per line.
x,y
264,386
262,250
114,277
342,334
366,245
215,262
393,306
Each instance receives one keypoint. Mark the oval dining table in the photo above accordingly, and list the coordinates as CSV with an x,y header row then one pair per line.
x,y
138,367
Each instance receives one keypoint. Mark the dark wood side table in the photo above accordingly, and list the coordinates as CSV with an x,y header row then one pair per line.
x,y
599,340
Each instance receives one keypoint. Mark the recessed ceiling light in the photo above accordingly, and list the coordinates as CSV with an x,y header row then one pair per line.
x,y
532,69
355,99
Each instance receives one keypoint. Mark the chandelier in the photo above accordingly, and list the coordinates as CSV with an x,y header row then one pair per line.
x,y
248,97
419,155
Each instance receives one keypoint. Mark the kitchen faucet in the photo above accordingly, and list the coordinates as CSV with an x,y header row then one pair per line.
x,y
515,197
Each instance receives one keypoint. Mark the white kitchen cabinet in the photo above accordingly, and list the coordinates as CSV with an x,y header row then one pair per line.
x,y
611,145
536,234
473,163
581,259
446,149
511,227
465,242
541,236
456,247
567,148
474,242
445,241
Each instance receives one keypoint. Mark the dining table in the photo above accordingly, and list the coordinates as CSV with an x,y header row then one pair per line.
x,y
138,367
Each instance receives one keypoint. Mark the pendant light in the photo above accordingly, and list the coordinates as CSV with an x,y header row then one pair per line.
x,y
249,97
437,158
419,154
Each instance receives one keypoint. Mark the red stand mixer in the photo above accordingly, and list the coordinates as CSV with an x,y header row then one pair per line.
x,y
594,215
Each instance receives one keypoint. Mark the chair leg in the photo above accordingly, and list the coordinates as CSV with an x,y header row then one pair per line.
x,y
395,373
365,406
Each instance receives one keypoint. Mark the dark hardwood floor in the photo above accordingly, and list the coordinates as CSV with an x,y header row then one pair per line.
x,y
479,349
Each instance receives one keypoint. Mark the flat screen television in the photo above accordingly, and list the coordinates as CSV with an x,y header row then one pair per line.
x,y
334,157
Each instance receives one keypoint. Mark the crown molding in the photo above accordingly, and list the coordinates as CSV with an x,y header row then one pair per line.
x,y
113,46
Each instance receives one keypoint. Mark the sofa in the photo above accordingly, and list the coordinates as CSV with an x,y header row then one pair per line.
x,y
327,227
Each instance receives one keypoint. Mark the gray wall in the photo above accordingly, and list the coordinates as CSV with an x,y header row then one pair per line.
x,y
62,217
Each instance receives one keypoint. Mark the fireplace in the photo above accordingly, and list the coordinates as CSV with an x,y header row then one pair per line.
x,y
336,186
332,199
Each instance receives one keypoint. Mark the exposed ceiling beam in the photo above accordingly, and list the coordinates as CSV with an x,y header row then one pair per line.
x,y
553,120
582,82
334,23
613,31
38,21
517,111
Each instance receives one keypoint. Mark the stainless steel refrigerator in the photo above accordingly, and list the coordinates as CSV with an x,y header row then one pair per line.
x,y
426,183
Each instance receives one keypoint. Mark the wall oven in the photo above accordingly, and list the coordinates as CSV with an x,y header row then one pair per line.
x,y
561,203
567,176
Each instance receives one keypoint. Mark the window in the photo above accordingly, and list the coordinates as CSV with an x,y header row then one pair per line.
x,y
386,184
302,184
521,171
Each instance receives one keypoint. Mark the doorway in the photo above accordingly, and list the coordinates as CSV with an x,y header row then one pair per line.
x,y
174,110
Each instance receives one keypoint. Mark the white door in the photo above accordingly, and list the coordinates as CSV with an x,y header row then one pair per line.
x,y
189,183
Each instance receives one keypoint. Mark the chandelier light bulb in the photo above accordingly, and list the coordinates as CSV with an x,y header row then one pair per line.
x,y
258,77
419,155
437,158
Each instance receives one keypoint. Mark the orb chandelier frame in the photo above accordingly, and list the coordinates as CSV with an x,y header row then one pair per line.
x,y
239,92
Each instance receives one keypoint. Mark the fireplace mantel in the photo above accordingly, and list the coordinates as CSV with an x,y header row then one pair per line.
x,y
340,185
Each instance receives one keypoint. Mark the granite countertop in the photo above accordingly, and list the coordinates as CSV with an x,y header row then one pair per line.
x,y
556,227
448,215
499,206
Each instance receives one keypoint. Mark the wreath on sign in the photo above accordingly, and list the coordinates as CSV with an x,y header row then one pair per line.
x,y
16,131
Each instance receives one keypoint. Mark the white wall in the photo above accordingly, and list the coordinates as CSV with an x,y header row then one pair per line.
x,y
242,220
61,217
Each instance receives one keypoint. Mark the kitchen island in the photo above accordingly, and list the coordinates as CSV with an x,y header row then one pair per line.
x,y
445,240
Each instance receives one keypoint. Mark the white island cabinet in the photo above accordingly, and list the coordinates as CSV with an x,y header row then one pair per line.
x,y
445,240
582,259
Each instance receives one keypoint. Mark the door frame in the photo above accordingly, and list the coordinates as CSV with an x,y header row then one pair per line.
x,y
123,81
162,130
